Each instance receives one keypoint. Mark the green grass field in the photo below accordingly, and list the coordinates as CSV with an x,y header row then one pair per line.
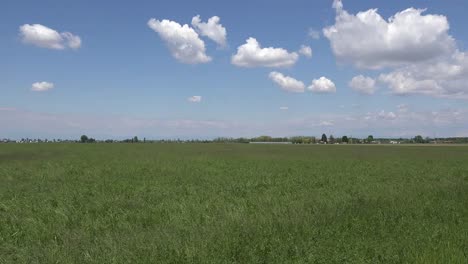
x,y
233,203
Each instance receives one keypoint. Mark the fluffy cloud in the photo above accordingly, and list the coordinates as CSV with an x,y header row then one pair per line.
x,y
182,41
423,58
42,86
45,37
367,40
446,78
322,85
402,82
284,108
195,99
287,83
251,54
305,51
362,84
211,29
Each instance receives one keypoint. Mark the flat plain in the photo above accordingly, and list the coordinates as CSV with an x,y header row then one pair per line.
x,y
233,203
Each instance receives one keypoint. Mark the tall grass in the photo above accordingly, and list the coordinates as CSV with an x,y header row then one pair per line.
x,y
232,203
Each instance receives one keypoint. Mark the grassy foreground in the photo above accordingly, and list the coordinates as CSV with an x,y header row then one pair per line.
x,y
233,203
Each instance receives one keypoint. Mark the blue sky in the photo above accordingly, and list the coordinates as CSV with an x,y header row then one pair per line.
x,y
122,78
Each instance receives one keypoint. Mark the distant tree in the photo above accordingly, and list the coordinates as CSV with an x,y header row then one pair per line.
x,y
370,138
344,139
135,139
324,138
418,139
84,139
331,139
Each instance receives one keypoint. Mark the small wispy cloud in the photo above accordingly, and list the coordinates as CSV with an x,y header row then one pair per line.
x,y
42,86
314,34
7,109
305,51
195,99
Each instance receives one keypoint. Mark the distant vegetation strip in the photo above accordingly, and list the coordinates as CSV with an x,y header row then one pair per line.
x,y
324,139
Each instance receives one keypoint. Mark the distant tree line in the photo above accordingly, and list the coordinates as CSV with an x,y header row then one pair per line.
x,y
324,139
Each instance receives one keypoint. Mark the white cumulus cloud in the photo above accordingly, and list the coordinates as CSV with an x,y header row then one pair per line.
x,y
45,37
195,99
367,40
362,84
251,54
445,78
305,51
183,42
416,49
211,29
322,85
287,83
42,86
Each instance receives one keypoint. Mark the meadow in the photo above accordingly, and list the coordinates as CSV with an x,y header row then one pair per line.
x,y
233,203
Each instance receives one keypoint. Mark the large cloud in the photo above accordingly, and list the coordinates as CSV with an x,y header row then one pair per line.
x,y
362,84
287,83
322,85
251,54
423,58
42,86
182,41
447,77
367,40
211,29
45,37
